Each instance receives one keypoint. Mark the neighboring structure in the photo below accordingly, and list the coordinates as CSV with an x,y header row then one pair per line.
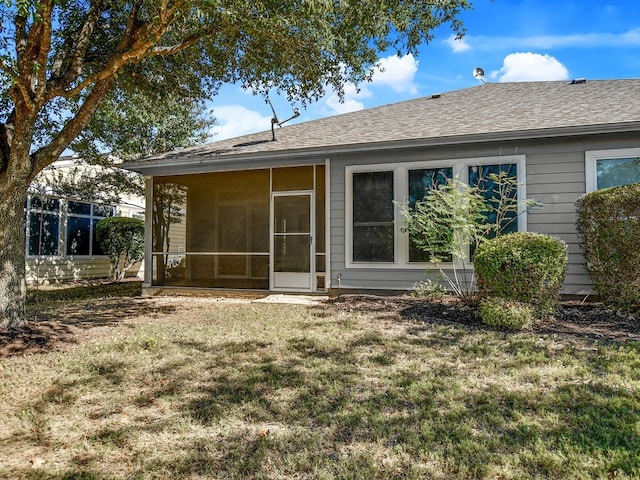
x,y
314,209
60,232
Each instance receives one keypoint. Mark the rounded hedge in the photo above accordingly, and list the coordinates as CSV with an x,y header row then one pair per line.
x,y
523,267
609,230
501,313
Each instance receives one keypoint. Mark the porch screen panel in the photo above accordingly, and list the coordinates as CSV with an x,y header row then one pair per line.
x,y
292,178
222,238
373,228
169,227
420,182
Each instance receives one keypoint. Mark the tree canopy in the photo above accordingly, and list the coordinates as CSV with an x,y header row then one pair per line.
x,y
60,59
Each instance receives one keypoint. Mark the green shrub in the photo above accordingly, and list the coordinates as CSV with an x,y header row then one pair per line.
x,y
429,290
501,313
122,239
523,267
609,230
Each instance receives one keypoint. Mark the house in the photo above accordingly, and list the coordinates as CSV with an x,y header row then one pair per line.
x,y
60,231
313,210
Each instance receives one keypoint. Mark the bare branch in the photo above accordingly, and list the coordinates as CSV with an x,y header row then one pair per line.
x,y
21,34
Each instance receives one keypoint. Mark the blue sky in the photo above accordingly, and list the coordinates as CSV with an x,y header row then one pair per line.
x,y
512,40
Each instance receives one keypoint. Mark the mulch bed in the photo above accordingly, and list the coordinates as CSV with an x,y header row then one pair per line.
x,y
578,320
587,320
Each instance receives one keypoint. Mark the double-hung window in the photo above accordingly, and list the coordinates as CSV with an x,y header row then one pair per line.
x,y
612,168
374,228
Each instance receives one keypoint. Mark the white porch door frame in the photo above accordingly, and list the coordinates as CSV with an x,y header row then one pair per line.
x,y
293,281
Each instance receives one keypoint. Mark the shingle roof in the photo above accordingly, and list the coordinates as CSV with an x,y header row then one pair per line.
x,y
484,111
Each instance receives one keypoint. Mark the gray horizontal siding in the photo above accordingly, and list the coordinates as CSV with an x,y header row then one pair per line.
x,y
555,177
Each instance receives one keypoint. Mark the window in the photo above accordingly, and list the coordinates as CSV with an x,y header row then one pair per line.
x,y
82,219
480,176
43,225
373,233
611,168
51,221
373,216
420,182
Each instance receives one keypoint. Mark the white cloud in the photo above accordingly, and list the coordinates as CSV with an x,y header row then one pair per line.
x,y
528,66
397,72
458,45
236,120
351,101
579,40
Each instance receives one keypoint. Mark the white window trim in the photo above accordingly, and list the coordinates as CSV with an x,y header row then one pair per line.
x,y
591,158
349,171
401,194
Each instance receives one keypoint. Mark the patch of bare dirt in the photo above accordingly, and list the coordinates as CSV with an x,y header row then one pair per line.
x,y
587,320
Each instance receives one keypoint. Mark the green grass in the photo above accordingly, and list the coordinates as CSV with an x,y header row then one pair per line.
x,y
231,390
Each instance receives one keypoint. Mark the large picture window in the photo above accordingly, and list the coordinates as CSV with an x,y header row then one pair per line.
x,y
612,168
375,236
58,227
82,219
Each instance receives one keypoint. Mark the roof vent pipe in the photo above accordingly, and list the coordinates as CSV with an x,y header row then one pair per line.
x,y
577,81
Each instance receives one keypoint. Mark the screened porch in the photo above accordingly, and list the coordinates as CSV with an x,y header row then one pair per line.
x,y
258,229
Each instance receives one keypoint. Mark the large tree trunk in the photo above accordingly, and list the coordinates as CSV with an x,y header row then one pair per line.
x,y
13,290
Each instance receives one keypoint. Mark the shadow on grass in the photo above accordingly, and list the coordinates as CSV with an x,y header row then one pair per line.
x,y
84,291
350,409
546,433
59,314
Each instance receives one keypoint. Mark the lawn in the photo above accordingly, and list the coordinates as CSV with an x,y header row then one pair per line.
x,y
164,388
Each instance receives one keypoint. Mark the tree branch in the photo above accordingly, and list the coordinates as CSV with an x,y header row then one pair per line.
x,y
177,48
135,44
75,67
43,50
42,157
21,48
18,83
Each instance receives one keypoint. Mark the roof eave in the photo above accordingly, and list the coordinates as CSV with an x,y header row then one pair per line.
x,y
173,165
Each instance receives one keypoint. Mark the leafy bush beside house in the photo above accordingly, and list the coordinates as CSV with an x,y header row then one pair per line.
x,y
454,218
523,267
122,240
507,314
608,223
